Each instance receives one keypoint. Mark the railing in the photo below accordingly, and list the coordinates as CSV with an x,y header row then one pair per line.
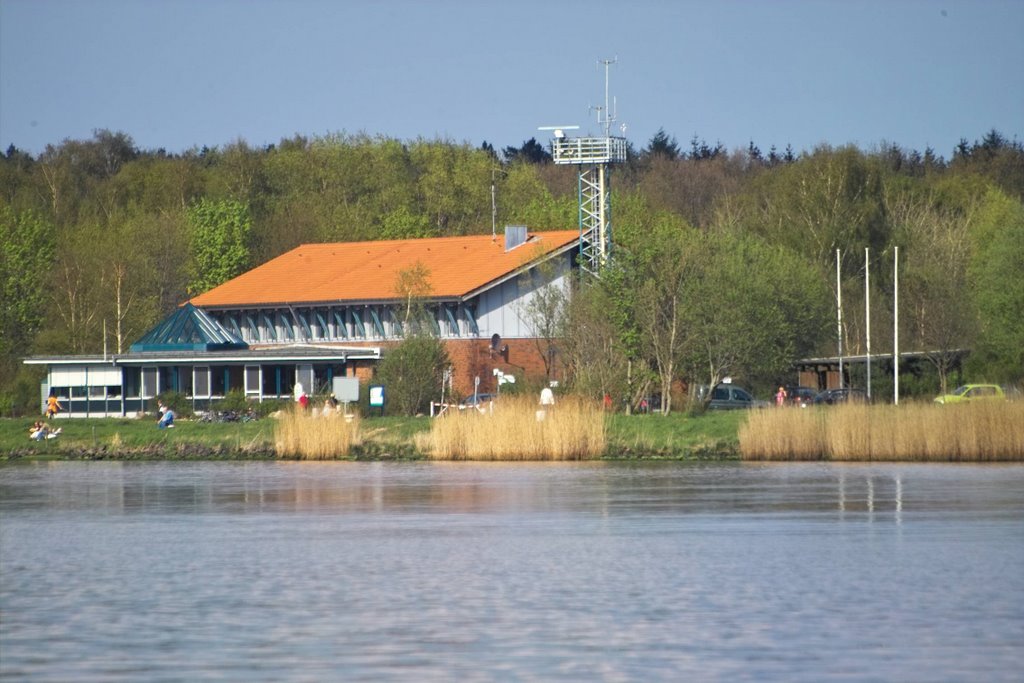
x,y
588,150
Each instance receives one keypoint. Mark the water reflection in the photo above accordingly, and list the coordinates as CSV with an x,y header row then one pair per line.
x,y
479,488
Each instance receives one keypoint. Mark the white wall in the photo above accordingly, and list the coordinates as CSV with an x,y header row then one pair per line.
x,y
501,310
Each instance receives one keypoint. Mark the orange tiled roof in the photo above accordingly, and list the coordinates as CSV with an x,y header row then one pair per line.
x,y
368,271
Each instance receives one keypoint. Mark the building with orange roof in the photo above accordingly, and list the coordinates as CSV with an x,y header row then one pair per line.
x,y
326,311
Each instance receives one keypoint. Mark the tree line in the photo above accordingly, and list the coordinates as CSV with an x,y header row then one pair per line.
x,y
99,240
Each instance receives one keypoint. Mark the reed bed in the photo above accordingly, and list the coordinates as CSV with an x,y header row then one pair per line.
x,y
304,436
510,430
988,431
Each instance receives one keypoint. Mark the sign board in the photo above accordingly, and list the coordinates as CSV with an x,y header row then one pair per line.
x,y
377,396
345,389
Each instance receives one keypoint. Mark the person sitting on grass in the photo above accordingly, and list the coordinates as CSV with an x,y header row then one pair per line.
x,y
166,418
40,431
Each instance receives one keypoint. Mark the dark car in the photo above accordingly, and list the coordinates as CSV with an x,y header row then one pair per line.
x,y
730,397
833,396
800,396
478,401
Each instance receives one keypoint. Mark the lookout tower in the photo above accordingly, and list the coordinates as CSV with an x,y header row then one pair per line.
x,y
594,157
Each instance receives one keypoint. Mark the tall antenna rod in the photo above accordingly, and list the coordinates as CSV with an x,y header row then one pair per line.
x,y
609,115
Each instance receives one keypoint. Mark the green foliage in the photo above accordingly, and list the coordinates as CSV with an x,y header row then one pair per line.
x,y
176,401
412,372
219,242
998,289
828,200
27,248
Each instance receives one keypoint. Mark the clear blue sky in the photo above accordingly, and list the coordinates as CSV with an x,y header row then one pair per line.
x,y
182,73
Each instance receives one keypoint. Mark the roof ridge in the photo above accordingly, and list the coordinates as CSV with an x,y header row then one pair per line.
x,y
445,238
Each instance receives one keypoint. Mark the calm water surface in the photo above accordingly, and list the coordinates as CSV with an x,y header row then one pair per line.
x,y
471,572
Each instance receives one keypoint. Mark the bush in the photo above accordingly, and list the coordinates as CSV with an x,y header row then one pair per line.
x,y
176,402
411,373
235,401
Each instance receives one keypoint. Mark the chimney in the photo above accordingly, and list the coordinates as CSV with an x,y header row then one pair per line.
x,y
514,236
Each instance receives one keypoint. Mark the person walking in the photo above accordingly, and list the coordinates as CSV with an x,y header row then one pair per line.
x,y
53,406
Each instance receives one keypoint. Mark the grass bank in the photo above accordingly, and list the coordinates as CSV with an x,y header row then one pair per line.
x,y
989,431
676,436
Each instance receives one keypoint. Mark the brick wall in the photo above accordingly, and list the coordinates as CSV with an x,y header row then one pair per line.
x,y
472,358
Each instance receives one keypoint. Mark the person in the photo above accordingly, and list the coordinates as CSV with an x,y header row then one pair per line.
x,y
780,397
166,418
53,406
304,401
607,401
38,431
547,397
330,406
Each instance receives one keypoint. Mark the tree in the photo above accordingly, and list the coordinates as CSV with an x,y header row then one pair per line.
x,y
545,312
593,349
27,249
219,242
645,290
935,287
750,309
998,289
661,302
531,152
412,372
662,145
412,285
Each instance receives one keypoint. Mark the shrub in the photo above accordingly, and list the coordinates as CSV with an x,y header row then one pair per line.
x,y
176,401
411,373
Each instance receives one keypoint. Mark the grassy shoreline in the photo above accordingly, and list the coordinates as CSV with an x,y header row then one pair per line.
x,y
675,437
909,433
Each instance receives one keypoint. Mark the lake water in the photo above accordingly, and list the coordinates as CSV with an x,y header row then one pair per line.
x,y
268,571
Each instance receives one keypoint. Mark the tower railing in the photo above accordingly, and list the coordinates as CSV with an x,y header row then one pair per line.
x,y
602,150
593,156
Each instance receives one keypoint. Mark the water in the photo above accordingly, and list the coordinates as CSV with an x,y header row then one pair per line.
x,y
546,572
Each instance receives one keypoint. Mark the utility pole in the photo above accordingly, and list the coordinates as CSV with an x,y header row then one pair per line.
x,y
867,316
896,326
839,323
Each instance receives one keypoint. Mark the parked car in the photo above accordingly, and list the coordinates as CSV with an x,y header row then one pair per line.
x,y
731,397
833,396
800,396
478,400
972,392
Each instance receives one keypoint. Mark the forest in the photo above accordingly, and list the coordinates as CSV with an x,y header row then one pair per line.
x,y
725,261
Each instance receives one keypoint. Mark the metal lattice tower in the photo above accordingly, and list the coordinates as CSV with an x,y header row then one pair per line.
x,y
593,156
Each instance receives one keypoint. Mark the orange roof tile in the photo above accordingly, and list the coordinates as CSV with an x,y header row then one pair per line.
x,y
368,271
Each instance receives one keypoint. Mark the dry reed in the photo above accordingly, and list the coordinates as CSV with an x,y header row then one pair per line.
x,y
303,436
510,430
988,431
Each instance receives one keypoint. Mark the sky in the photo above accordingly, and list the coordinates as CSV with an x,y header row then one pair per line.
x,y
179,74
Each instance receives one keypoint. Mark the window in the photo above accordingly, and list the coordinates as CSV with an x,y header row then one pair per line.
x,y
201,382
252,380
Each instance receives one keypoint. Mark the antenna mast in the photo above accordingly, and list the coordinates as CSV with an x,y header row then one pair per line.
x,y
609,115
